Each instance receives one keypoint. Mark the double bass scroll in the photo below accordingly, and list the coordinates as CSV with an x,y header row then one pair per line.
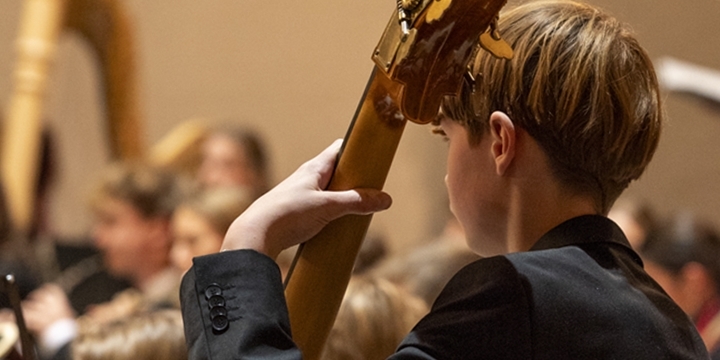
x,y
421,58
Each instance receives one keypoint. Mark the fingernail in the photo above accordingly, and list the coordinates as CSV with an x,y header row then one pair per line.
x,y
385,200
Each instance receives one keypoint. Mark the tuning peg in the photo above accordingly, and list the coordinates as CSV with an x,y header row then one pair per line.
x,y
494,44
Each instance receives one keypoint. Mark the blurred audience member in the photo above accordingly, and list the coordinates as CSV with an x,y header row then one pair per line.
x,y
234,156
683,256
372,252
374,317
425,270
200,222
133,205
151,336
38,255
634,218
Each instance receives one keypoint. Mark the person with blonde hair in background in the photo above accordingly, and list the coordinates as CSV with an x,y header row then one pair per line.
x,y
374,317
200,222
155,335
232,155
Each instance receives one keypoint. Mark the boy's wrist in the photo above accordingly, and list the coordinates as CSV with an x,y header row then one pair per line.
x,y
248,235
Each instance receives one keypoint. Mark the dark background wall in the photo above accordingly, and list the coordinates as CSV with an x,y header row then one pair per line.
x,y
295,71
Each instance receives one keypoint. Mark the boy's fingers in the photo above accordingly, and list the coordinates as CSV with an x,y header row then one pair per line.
x,y
358,201
324,163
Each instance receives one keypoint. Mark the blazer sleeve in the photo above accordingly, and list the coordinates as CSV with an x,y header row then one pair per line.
x,y
233,307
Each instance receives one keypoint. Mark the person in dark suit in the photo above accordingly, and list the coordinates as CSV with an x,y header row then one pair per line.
x,y
539,148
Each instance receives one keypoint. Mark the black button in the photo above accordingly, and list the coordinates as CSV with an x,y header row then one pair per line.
x,y
220,324
213,290
216,301
218,311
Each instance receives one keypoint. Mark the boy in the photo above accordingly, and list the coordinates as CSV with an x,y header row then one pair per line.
x,y
539,149
133,205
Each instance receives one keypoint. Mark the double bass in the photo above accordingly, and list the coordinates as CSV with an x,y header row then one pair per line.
x,y
421,58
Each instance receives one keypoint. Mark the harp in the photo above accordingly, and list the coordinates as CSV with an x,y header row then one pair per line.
x,y
105,27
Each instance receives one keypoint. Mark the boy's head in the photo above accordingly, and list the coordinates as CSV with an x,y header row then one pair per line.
x,y
133,205
580,85
153,192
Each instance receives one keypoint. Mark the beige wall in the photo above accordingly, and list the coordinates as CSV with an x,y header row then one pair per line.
x,y
295,71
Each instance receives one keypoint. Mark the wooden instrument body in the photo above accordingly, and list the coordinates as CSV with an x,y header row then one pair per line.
x,y
323,266
409,83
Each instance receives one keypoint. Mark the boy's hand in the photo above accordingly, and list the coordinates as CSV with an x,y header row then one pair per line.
x,y
298,208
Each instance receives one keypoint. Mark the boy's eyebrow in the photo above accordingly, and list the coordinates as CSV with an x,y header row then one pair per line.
x,y
437,130
436,125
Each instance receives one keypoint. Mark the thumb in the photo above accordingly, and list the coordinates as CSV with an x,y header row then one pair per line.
x,y
358,201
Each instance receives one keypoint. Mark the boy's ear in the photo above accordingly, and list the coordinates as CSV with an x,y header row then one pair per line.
x,y
502,131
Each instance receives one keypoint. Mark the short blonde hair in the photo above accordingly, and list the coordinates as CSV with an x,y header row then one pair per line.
x,y
219,206
580,85
150,336
374,317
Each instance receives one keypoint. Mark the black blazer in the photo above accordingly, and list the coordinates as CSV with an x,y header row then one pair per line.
x,y
580,293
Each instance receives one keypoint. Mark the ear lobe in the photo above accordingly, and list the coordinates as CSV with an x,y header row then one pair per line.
x,y
503,135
